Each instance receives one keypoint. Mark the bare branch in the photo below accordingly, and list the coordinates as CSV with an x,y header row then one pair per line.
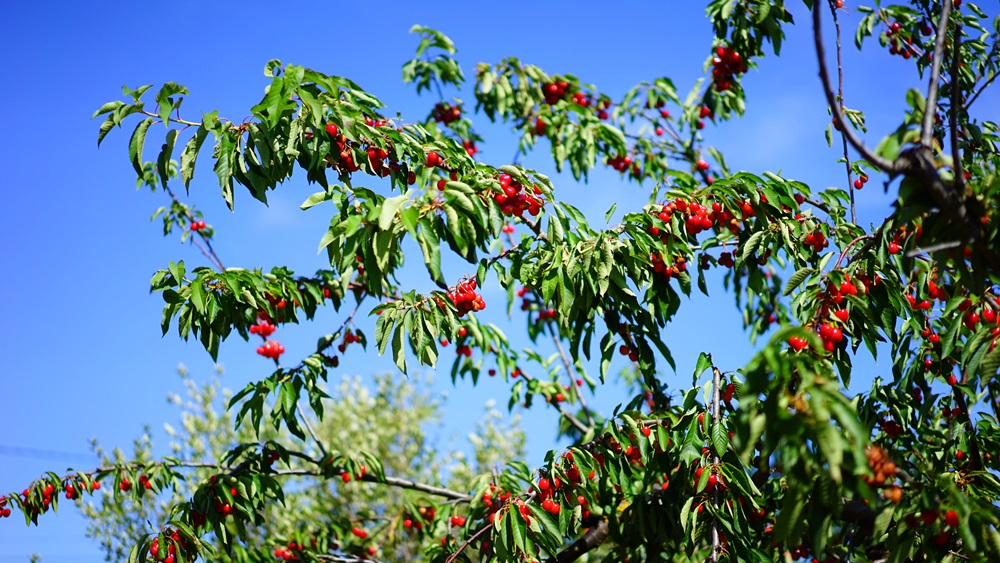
x,y
838,114
930,109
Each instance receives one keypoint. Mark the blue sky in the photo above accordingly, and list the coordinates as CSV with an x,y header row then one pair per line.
x,y
84,356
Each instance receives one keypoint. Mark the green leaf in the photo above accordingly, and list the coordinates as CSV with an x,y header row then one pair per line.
x,y
720,438
431,248
704,362
797,278
190,154
163,160
389,208
751,244
136,143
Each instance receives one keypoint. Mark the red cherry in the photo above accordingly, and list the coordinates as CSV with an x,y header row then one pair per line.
x,y
858,184
331,129
951,519
797,343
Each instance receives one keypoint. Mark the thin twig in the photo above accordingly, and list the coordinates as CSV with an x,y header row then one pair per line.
x,y
838,114
848,246
583,428
840,98
571,372
990,56
473,538
309,428
930,109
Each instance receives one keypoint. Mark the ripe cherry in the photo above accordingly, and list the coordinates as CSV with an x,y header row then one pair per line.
x,y
331,129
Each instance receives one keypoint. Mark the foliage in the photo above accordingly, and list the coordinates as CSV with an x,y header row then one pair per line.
x,y
771,460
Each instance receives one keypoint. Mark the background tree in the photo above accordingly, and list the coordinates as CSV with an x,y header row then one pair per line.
x,y
391,420
775,459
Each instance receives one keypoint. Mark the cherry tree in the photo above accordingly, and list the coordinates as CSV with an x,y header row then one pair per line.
x,y
772,459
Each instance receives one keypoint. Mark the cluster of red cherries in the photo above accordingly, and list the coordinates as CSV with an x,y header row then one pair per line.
x,y
446,113
514,199
660,265
263,328
198,225
555,91
817,240
726,63
288,553
465,298
171,551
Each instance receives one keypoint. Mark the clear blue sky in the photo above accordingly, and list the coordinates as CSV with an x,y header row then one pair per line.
x,y
83,352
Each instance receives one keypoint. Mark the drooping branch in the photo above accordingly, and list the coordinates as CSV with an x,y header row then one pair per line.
x,y
930,108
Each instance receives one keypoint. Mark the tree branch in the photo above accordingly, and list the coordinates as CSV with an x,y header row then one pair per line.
x,y
716,416
593,538
571,372
473,538
583,428
956,102
838,114
309,428
840,98
930,109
